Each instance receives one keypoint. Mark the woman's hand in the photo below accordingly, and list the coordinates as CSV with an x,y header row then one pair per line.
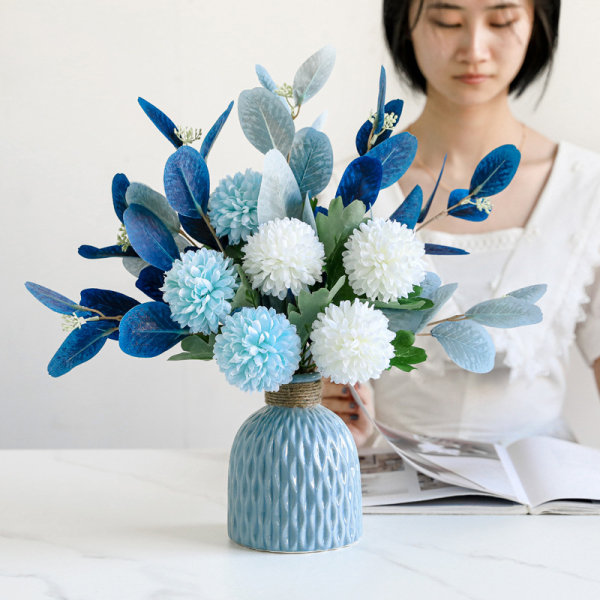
x,y
338,398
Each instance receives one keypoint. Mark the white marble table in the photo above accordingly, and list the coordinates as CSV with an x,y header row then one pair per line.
x,y
151,525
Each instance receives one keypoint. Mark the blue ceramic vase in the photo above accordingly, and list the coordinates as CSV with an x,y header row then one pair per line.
x,y
294,477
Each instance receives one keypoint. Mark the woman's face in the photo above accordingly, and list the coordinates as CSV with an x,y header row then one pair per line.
x,y
469,51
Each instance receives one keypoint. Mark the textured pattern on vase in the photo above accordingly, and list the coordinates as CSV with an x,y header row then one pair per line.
x,y
294,482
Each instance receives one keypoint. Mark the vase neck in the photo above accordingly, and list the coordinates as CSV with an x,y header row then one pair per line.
x,y
301,395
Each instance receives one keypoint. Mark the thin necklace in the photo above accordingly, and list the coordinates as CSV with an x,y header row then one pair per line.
x,y
435,177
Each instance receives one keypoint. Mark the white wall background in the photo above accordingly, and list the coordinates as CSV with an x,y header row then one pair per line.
x,y
70,74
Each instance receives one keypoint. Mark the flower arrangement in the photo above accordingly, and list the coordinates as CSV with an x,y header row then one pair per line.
x,y
259,276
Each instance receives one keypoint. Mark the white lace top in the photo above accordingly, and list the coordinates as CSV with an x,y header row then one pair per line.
x,y
524,394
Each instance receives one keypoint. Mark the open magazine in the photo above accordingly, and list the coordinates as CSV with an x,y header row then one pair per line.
x,y
421,474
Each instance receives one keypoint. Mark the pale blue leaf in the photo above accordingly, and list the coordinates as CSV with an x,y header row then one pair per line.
x,y
531,293
211,136
138,193
313,73
410,209
430,284
51,299
396,154
308,216
439,297
265,121
361,181
379,119
279,195
265,79
267,82
495,171
467,344
147,330
311,161
319,122
81,345
187,182
505,313
162,122
149,237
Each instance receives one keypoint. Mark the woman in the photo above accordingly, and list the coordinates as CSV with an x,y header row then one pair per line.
x,y
467,56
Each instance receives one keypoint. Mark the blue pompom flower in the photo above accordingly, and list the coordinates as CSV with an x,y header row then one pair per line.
x,y
197,289
232,206
258,349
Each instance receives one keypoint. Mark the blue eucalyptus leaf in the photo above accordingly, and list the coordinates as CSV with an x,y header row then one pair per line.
x,y
439,250
51,299
505,313
362,137
395,154
115,251
120,183
149,237
321,209
467,344
109,303
279,195
138,193
214,131
266,123
198,229
495,171
150,281
531,293
148,330
408,212
379,119
468,212
427,206
361,181
162,122
313,73
311,161
81,345
187,182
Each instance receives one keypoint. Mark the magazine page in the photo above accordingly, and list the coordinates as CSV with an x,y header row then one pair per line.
x,y
553,469
392,486
388,479
474,465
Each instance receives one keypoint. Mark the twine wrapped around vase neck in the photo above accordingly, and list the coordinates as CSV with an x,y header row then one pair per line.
x,y
302,395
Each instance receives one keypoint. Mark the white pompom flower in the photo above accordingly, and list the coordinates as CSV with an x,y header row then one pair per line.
x,y
351,342
383,260
283,254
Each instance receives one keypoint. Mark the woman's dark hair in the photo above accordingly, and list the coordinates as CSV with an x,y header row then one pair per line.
x,y
544,37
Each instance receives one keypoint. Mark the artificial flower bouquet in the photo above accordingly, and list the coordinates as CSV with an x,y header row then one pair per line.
x,y
259,276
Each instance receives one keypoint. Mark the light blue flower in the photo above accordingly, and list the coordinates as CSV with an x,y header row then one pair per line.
x,y
232,206
197,289
258,349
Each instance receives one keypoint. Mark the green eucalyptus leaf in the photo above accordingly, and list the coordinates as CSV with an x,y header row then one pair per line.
x,y
309,306
245,295
191,356
196,344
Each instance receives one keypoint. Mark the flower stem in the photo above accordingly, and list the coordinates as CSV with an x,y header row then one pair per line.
x,y
444,212
183,234
454,318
